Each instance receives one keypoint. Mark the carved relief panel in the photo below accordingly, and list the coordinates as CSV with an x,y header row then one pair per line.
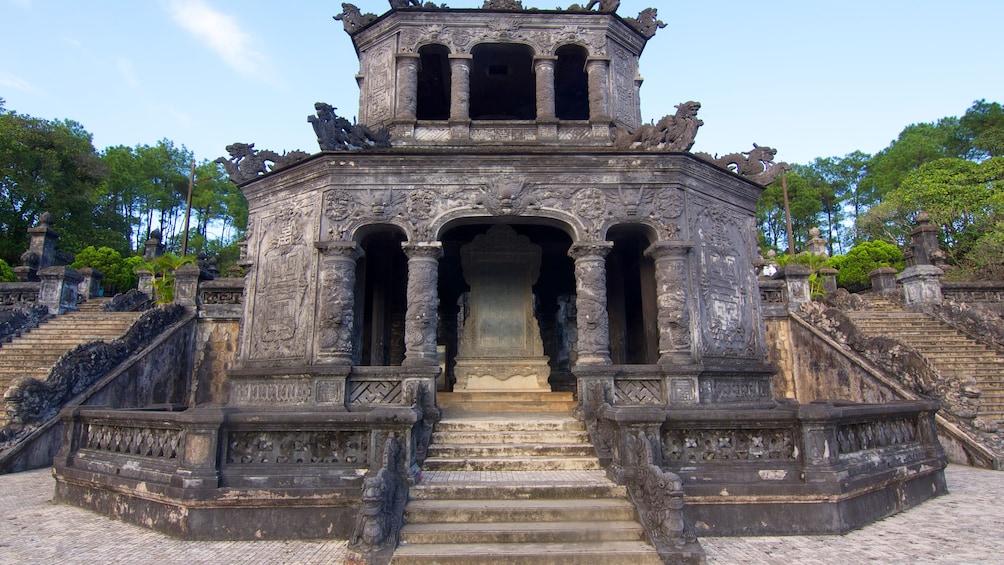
x,y
280,289
729,303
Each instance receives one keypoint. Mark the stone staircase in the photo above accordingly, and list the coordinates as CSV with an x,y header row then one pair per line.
x,y
948,350
35,352
513,487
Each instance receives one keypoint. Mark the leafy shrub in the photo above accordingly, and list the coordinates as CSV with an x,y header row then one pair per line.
x,y
862,259
118,275
163,268
6,272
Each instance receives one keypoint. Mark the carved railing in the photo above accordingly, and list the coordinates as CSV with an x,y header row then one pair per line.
x,y
992,291
791,450
221,298
24,293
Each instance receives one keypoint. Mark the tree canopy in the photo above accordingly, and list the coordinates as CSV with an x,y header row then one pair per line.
x,y
112,199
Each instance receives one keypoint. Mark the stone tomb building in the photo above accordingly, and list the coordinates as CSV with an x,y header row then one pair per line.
x,y
522,234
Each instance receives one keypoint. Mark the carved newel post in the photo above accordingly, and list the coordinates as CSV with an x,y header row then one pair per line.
x,y
422,319
592,320
673,301
336,321
407,87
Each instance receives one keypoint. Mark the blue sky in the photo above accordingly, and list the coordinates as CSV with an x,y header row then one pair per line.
x,y
810,78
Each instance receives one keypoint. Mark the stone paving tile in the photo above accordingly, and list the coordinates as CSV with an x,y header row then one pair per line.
x,y
964,527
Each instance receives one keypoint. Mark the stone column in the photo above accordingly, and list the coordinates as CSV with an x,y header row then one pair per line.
x,y
883,279
422,321
921,287
460,95
544,68
598,73
673,300
336,319
592,320
407,87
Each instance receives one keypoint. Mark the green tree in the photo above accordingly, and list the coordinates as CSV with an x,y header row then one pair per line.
x,y
50,166
984,125
118,276
163,269
805,202
863,258
6,272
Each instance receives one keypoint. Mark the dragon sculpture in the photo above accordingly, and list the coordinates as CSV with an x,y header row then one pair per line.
x,y
672,133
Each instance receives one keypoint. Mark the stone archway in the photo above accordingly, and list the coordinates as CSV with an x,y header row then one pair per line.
x,y
549,331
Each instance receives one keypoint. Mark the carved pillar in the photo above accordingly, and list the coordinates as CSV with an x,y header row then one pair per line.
x,y
544,68
598,73
673,300
422,320
336,319
592,320
407,87
460,88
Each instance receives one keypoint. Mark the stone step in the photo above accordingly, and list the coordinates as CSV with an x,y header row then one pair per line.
x,y
533,487
594,553
479,451
509,438
475,511
514,422
466,402
522,532
513,464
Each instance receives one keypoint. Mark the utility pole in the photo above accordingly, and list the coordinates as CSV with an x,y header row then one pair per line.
x,y
787,212
188,209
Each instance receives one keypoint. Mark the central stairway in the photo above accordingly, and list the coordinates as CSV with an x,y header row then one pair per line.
x,y
513,487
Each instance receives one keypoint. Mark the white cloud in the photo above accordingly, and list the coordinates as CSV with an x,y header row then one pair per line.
x,y
127,69
16,83
221,33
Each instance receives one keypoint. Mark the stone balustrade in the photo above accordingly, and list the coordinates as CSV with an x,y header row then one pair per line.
x,y
811,453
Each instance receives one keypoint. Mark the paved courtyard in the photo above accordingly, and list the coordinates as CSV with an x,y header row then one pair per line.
x,y
964,527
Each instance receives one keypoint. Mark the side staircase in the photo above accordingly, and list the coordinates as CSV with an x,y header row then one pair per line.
x,y
34,353
949,351
513,485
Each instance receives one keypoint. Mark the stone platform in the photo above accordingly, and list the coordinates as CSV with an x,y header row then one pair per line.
x,y
961,527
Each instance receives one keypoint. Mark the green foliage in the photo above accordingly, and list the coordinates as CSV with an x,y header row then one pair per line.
x,y
118,275
163,269
853,268
50,166
6,272
804,201
984,123
985,261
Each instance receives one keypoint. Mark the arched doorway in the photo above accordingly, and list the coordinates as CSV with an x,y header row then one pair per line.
x,y
382,281
631,298
553,296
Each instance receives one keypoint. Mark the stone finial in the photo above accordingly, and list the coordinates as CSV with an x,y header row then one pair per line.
x,y
396,4
44,220
503,5
817,245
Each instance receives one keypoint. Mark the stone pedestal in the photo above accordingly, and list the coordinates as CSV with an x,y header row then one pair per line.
x,y
796,278
59,289
501,348
921,287
186,285
90,286
883,279
829,277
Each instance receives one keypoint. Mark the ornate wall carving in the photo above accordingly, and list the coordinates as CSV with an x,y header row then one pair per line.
x,y
297,447
693,445
160,443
